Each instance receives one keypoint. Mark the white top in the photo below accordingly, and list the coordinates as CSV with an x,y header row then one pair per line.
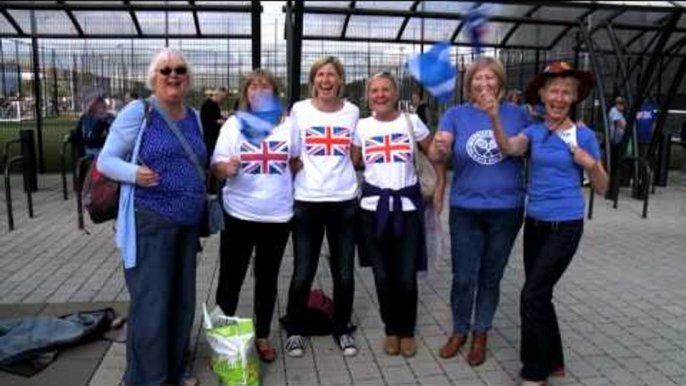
x,y
262,191
388,153
325,139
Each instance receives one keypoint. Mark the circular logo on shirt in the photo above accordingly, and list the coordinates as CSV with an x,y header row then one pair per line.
x,y
482,148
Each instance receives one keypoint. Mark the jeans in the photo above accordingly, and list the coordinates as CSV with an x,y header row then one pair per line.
x,y
237,242
394,262
310,221
548,250
162,300
481,242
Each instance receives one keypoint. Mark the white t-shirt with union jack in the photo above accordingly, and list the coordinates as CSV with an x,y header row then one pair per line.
x,y
262,191
387,151
325,139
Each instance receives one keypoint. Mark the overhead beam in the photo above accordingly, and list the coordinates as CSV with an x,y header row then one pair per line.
x,y
566,29
514,28
134,18
406,20
13,22
196,20
346,21
74,21
127,5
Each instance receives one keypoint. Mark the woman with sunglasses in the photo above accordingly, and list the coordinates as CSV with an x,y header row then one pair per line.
x,y
392,229
252,154
160,207
561,151
325,202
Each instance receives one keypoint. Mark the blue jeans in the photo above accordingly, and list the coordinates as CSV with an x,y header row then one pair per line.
x,y
310,221
548,250
162,300
481,242
394,262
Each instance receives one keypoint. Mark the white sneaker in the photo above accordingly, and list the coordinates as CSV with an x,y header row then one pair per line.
x,y
346,342
295,346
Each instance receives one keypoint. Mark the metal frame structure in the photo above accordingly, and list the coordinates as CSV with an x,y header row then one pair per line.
x,y
665,27
132,9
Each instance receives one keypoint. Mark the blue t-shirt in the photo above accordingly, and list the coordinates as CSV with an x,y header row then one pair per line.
x,y
482,177
645,118
180,195
554,192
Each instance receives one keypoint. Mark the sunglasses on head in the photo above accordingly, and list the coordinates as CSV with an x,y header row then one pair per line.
x,y
181,70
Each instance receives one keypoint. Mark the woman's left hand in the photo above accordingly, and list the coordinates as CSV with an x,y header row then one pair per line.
x,y
489,104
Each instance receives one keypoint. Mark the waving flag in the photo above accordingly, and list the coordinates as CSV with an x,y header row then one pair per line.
x,y
327,140
388,148
270,157
258,122
434,71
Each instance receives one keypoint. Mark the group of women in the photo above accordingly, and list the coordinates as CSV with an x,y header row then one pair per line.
x,y
299,176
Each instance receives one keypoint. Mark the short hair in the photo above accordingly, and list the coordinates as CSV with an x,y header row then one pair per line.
x,y
250,77
161,56
478,64
337,65
381,75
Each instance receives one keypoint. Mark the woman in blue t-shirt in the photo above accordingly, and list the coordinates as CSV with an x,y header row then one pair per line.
x,y
560,153
486,203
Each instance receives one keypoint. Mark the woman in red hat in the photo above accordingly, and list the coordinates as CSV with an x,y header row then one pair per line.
x,y
561,151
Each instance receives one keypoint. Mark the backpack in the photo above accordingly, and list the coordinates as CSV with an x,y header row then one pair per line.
x,y
94,130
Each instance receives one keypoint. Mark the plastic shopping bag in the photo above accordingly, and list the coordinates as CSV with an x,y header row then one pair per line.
x,y
232,341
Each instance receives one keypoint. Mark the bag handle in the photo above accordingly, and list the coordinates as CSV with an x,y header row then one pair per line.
x,y
177,133
410,129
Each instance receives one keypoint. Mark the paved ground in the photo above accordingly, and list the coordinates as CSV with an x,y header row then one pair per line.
x,y
622,303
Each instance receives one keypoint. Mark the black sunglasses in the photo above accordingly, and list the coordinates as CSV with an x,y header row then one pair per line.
x,y
181,70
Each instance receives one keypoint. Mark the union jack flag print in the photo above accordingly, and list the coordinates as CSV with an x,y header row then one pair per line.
x,y
327,140
270,157
388,148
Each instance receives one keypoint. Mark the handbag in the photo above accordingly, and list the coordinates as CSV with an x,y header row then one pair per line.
x,y
100,195
213,214
423,166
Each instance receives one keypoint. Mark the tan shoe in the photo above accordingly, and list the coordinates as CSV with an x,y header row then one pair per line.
x,y
408,347
477,353
392,345
452,346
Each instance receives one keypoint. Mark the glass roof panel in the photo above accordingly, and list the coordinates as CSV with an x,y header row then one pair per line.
x,y
434,29
445,6
559,13
328,4
238,3
6,27
636,17
92,2
223,23
100,23
494,33
378,27
394,5
538,35
152,22
323,25
506,9
160,2
47,22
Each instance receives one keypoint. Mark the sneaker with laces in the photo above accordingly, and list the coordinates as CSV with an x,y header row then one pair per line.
x,y
346,343
295,346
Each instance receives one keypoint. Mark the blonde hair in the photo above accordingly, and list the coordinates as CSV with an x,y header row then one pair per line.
x,y
481,63
164,55
337,65
252,76
381,75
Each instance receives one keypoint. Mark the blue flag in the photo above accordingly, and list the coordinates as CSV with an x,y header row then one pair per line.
x,y
434,71
258,122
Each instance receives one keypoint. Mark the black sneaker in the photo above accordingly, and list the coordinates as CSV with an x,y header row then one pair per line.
x,y
295,346
346,343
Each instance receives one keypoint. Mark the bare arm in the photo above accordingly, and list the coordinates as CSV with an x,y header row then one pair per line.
x,y
356,156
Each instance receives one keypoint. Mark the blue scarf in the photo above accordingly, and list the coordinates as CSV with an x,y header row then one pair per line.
x,y
257,123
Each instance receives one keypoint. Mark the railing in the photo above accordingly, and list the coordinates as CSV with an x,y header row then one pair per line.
x,y
8,190
78,177
28,172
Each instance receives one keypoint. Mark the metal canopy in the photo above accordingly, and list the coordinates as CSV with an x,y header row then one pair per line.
x,y
129,19
523,25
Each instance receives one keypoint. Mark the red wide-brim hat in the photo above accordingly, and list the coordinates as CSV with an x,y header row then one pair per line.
x,y
559,69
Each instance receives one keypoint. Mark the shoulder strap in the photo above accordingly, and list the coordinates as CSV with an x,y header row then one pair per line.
x,y
177,133
410,130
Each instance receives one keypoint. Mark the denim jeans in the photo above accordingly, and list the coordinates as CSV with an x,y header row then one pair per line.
x,y
394,262
162,300
548,250
237,242
481,242
310,221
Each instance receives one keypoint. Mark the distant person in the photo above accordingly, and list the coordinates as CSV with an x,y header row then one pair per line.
x,y
645,124
617,127
515,97
211,117
93,127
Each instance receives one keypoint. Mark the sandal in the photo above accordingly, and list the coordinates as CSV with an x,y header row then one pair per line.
x,y
187,379
265,350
